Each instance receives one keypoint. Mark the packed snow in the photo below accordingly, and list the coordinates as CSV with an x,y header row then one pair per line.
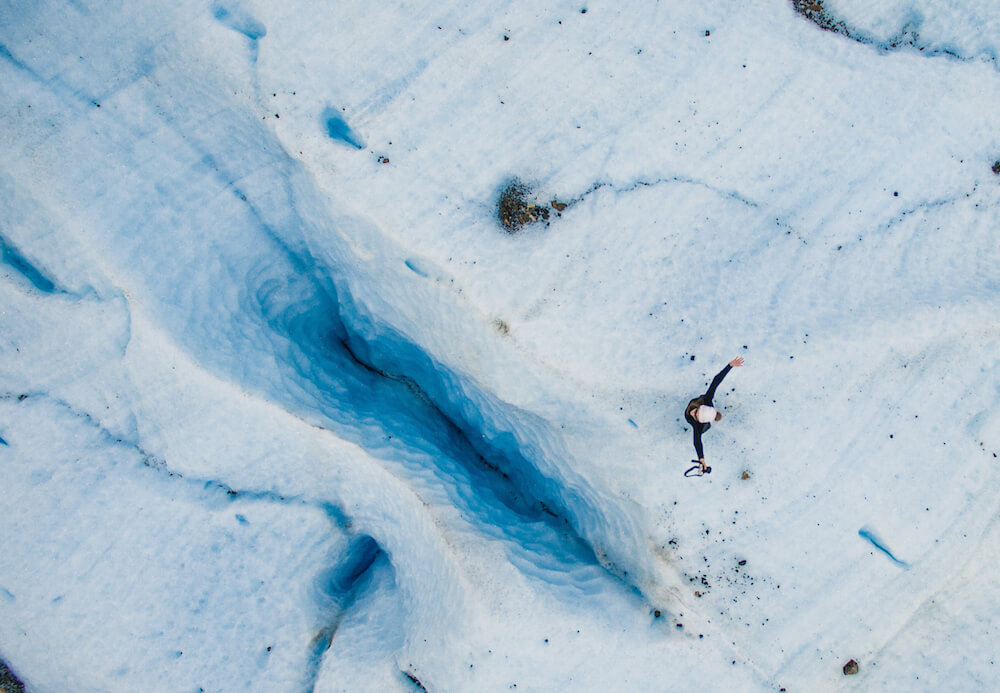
x,y
288,402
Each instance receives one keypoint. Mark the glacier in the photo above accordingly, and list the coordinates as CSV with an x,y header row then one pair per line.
x,y
285,407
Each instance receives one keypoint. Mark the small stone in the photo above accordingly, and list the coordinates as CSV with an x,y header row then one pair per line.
x,y
745,475
851,668
996,167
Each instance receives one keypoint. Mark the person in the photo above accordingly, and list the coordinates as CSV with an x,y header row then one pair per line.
x,y
700,412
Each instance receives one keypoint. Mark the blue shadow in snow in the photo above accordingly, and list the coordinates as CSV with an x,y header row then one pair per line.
x,y
237,19
340,587
9,255
866,533
415,267
2,441
338,129
355,563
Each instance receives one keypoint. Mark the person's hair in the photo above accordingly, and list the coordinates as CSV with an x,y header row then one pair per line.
x,y
718,415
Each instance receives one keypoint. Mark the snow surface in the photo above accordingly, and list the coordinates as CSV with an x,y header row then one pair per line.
x,y
283,406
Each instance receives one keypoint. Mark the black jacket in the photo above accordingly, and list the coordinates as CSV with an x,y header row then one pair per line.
x,y
705,399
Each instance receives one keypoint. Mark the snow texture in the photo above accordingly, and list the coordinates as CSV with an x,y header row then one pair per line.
x,y
283,406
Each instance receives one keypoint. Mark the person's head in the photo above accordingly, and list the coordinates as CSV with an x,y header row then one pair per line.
x,y
707,414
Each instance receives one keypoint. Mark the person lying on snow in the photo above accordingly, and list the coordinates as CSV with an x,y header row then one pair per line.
x,y
700,412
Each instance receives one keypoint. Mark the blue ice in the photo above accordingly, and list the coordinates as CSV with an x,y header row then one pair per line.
x,y
10,256
338,129
867,533
416,267
238,19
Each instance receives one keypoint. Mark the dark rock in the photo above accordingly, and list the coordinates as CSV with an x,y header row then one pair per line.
x,y
851,668
515,206
8,682
814,11
415,681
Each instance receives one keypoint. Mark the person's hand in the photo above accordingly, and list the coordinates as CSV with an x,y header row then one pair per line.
x,y
736,362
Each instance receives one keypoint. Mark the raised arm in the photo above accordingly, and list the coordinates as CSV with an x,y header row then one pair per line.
x,y
735,363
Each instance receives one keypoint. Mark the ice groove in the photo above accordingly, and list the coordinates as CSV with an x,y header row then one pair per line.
x,y
335,361
13,258
641,183
340,587
907,37
287,327
211,492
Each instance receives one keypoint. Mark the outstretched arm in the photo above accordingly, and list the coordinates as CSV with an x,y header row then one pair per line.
x,y
735,363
